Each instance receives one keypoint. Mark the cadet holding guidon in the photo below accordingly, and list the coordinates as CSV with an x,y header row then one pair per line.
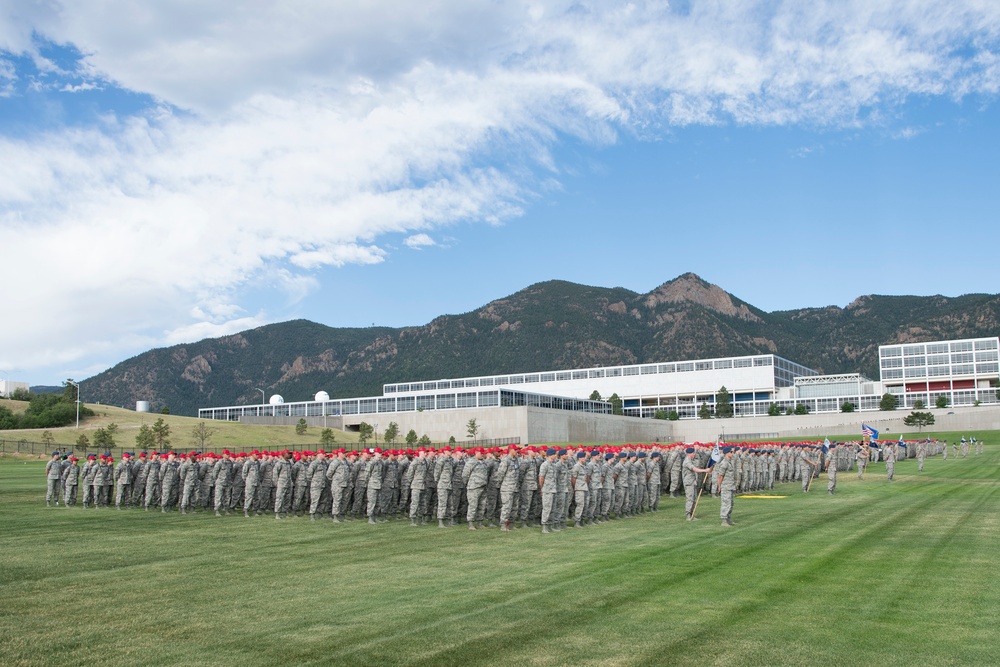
x,y
690,474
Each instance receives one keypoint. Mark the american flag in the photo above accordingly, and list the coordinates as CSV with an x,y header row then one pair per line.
x,y
867,430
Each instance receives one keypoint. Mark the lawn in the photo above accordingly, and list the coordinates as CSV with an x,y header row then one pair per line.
x,y
899,573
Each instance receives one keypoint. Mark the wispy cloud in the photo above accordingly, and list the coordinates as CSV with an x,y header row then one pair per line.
x,y
298,135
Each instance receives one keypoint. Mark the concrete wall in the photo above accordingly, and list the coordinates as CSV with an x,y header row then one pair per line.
x,y
835,423
532,424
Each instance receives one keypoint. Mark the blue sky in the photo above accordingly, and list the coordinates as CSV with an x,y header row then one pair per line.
x,y
175,171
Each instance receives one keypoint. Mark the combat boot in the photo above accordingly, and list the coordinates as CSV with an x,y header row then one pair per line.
x,y
312,516
578,525
413,522
545,529
472,525
441,523
451,522
337,519
371,521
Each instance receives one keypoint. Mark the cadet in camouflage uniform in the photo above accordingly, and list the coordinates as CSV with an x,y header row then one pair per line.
x,y
251,483
676,471
206,489
153,481
889,452
373,483
359,472
831,469
529,487
492,489
444,467
169,477
189,483
595,469
806,468
404,483
547,482
507,479
70,481
862,458
222,479
726,473
459,503
690,474
620,476
281,474
53,479
417,478
389,496
579,479
559,508
300,483
341,472
236,486
123,481
265,490
139,466
475,476
318,484
102,482
653,481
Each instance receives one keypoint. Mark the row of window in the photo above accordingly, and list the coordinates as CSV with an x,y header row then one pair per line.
x,y
939,348
787,370
940,371
941,359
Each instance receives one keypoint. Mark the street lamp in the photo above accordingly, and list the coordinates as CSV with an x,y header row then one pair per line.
x,y
77,402
263,401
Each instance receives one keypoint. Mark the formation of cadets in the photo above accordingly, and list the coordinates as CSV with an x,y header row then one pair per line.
x,y
512,487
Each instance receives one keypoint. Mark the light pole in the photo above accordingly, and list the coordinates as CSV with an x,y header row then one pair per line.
x,y
77,402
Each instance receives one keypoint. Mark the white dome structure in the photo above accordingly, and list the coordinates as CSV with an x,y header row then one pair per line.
x,y
321,396
276,399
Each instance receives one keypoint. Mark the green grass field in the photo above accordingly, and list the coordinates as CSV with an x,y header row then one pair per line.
x,y
879,574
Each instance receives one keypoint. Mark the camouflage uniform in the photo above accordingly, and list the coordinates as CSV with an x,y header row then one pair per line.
x,y
222,477
547,482
281,474
53,479
580,481
169,477
373,484
444,466
251,484
70,480
475,476
339,473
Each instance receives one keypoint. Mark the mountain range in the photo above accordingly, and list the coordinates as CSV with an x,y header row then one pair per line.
x,y
547,326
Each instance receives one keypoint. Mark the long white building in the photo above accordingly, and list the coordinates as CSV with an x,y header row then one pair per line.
x,y
964,371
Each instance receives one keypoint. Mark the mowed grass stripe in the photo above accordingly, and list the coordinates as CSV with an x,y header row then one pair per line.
x,y
880,573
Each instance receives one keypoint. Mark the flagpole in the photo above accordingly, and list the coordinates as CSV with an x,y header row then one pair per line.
x,y
700,491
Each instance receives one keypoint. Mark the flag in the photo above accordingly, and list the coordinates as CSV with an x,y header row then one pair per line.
x,y
963,439
869,431
826,445
716,454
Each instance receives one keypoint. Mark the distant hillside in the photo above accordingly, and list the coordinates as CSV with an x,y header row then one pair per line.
x,y
550,325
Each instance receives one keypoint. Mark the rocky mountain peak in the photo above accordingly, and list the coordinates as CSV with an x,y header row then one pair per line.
x,y
690,288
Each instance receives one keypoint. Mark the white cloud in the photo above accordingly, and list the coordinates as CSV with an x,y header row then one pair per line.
x,y
418,241
294,135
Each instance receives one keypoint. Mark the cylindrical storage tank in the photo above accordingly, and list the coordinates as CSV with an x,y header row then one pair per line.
x,y
142,406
